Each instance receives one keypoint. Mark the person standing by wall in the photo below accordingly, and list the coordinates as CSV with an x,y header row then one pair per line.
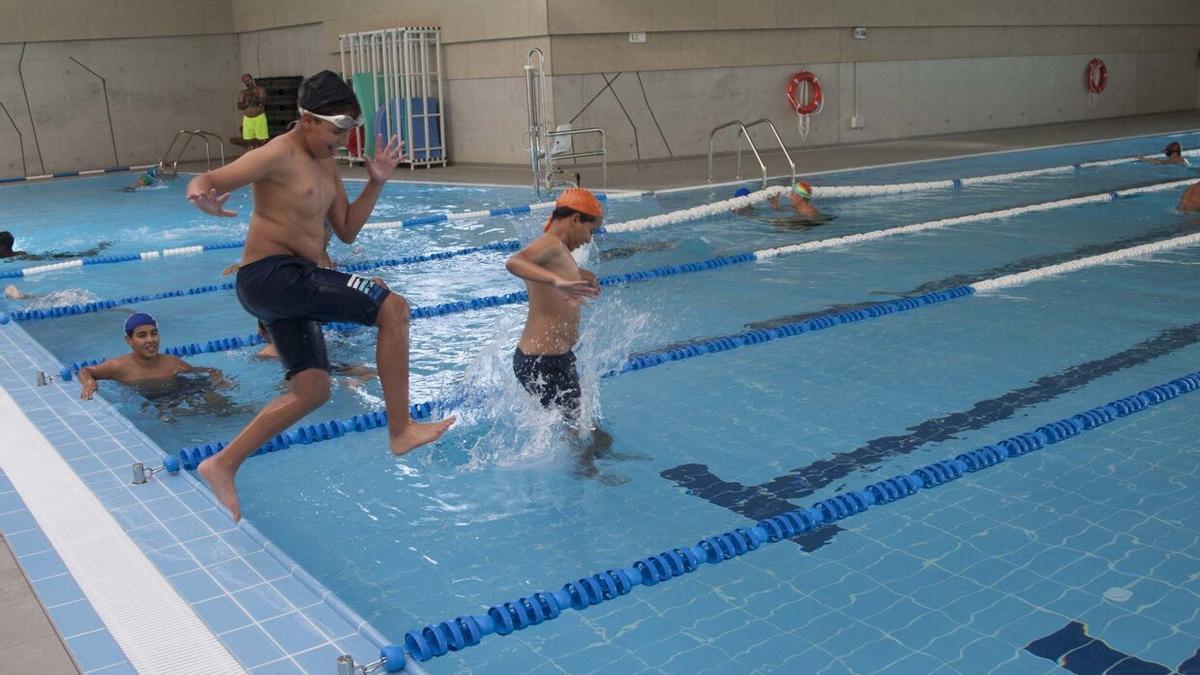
x,y
252,101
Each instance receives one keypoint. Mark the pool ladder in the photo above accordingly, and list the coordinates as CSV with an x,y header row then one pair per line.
x,y
744,130
170,166
547,147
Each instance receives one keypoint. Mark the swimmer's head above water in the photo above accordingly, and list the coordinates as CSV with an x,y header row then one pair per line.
x,y
139,319
1173,148
741,192
581,212
141,334
802,190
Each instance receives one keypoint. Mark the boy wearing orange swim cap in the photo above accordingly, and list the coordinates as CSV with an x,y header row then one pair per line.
x,y
544,361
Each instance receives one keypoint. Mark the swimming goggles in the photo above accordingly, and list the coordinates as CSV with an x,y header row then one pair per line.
x,y
342,122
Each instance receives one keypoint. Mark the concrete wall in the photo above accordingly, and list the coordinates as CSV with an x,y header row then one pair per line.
x,y
654,114
154,89
927,66
278,52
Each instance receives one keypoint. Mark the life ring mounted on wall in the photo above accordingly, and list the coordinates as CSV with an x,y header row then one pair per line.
x,y
810,100
813,101
1097,76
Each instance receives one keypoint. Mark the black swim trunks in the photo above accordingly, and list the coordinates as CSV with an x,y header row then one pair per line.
x,y
292,296
551,377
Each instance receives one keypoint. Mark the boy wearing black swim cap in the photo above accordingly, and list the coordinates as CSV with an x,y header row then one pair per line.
x,y
297,190
1173,154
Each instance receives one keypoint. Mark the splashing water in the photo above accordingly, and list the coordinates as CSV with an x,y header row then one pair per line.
x,y
504,426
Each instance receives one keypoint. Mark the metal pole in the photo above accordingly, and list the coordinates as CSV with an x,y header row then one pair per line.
x,y
437,50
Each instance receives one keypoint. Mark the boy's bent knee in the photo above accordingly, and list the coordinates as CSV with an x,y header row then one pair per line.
x,y
394,309
312,386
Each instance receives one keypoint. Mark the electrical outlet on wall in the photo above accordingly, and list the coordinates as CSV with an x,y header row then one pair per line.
x,y
637,38
857,122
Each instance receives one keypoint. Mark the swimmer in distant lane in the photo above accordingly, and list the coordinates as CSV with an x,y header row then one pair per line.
x,y
805,212
6,251
802,213
148,179
1174,155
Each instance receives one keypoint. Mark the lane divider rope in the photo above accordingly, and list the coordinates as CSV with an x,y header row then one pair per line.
x,y
60,311
465,631
190,458
235,342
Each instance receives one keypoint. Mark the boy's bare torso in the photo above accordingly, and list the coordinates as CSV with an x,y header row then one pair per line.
x,y
553,323
291,203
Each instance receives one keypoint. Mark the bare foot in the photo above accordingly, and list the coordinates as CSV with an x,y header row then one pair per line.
x,y
414,435
221,482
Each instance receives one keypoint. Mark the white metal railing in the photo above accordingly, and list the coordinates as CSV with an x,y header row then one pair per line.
x,y
401,70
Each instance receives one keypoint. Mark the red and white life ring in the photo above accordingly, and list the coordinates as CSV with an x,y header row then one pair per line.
x,y
814,92
1097,76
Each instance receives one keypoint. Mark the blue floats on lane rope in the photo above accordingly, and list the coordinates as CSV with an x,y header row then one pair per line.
x,y
466,631
98,305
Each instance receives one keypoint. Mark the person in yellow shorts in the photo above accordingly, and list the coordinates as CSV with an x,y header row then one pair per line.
x,y
252,101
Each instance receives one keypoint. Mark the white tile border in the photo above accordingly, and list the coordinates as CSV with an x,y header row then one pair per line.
x,y
155,628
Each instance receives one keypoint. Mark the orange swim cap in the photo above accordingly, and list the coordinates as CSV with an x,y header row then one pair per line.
x,y
802,190
579,199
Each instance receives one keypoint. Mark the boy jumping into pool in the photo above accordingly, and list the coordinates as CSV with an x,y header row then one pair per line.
x,y
296,190
544,362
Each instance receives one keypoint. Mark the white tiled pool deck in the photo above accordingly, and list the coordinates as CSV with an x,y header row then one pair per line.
x,y
264,611
251,603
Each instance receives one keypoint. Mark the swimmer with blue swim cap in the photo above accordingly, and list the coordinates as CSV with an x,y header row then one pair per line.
x,y
144,364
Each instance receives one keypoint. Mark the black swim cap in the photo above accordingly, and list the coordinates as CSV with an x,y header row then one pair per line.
x,y
325,91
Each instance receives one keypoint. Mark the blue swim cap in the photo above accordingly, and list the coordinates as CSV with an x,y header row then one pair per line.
x,y
741,192
139,319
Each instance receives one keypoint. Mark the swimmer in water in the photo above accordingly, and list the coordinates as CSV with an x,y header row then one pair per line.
x,y
1173,155
148,179
358,375
544,361
144,368
801,213
7,240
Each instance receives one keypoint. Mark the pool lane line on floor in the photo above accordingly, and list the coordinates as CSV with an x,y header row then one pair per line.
x,y
190,458
465,631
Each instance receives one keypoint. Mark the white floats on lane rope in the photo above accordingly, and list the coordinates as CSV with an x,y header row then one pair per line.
x,y
1081,263
958,220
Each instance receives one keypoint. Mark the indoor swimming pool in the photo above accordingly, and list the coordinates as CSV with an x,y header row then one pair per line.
x,y
732,398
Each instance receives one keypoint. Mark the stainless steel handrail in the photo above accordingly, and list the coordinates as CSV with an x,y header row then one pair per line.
x,y
535,98
763,120
741,132
171,167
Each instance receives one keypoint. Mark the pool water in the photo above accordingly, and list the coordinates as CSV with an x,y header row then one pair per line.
x,y
1086,547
